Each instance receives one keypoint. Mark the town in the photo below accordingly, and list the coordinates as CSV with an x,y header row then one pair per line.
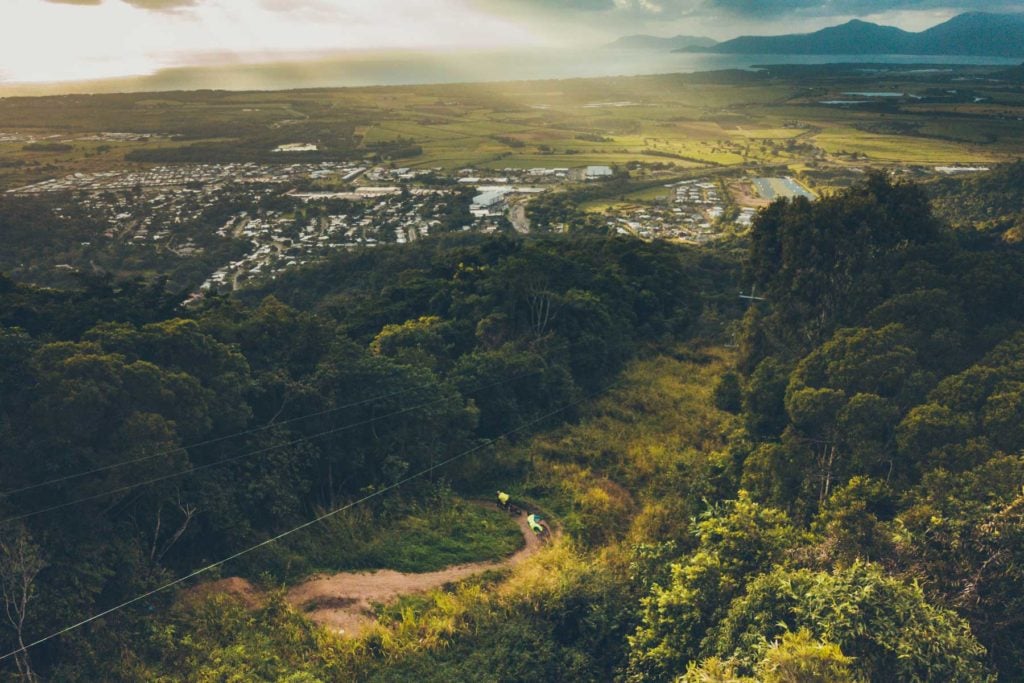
x,y
274,217
696,211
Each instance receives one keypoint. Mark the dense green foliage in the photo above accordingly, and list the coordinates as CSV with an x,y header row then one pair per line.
x,y
989,202
240,420
55,240
882,386
31,233
837,499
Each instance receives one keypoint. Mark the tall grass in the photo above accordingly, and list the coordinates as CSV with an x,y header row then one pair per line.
x,y
653,442
628,473
420,535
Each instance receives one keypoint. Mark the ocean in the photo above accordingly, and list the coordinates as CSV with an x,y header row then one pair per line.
x,y
360,69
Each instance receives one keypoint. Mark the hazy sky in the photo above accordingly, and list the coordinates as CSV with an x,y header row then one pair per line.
x,y
57,40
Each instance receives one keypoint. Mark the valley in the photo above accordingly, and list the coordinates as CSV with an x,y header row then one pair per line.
x,y
749,341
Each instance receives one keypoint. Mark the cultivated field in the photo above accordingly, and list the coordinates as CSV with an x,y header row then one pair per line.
x,y
733,119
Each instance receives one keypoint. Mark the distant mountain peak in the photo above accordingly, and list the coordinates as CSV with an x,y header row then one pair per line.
x,y
981,34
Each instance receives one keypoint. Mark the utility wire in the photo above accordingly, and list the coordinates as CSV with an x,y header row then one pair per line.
x,y
266,449
304,525
253,430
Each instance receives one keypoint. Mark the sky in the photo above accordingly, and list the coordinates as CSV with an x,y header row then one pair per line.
x,y
66,40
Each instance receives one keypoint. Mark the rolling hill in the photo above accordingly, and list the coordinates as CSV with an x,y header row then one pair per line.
x,y
646,42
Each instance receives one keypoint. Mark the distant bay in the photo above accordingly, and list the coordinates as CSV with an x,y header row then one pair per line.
x,y
360,69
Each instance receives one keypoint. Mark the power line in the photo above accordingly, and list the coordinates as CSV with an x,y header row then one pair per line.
x,y
199,444
752,297
304,525
235,458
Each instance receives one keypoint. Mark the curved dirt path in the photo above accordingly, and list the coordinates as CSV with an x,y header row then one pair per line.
x,y
344,602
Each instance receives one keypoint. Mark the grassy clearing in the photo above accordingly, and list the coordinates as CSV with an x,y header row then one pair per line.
x,y
652,194
456,535
615,475
640,443
403,536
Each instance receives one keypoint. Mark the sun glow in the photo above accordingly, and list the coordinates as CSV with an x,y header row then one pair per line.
x,y
47,42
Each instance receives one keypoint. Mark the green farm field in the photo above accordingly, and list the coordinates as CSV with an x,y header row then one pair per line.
x,y
773,118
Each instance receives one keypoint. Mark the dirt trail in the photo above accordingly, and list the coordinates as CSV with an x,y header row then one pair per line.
x,y
343,602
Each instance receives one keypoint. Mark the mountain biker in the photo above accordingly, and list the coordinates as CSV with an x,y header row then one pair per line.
x,y
536,523
503,500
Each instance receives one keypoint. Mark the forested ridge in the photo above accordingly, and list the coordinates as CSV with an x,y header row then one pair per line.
x,y
990,203
822,483
876,530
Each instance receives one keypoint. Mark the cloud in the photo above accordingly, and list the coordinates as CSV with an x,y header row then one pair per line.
x,y
776,8
761,9
141,4
160,4
83,40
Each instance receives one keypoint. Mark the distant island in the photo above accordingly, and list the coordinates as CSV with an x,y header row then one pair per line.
x,y
658,43
978,34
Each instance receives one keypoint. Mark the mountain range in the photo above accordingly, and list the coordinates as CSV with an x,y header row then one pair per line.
x,y
645,42
978,34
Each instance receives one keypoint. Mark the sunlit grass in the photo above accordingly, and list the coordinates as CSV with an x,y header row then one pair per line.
x,y
633,444
420,537
899,148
